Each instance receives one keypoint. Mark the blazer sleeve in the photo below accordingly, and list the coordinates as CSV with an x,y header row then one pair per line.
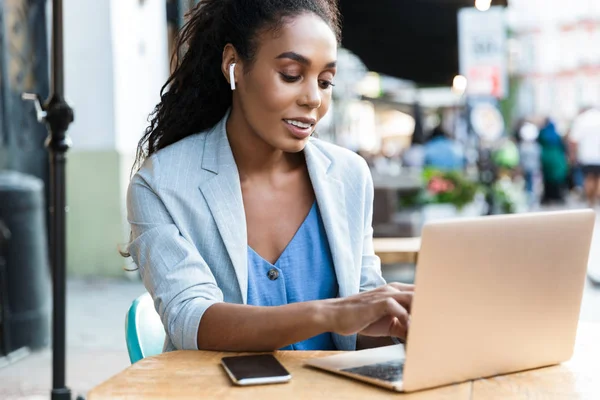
x,y
172,269
370,276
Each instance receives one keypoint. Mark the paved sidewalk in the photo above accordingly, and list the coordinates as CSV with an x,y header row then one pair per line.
x,y
96,347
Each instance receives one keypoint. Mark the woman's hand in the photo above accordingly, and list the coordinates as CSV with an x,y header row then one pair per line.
x,y
240,327
379,312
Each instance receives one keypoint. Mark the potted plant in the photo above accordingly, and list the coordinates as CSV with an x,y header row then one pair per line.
x,y
445,194
509,196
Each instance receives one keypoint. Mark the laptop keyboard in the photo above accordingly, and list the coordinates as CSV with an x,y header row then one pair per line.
x,y
390,371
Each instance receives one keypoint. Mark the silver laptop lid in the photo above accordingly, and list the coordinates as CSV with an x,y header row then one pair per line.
x,y
496,295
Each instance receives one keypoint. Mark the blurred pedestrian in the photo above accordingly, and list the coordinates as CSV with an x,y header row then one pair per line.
x,y
441,152
554,163
529,158
414,156
585,137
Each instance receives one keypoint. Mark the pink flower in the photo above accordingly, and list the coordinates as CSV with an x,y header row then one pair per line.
x,y
440,185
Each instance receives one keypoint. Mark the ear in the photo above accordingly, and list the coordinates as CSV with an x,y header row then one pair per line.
x,y
229,56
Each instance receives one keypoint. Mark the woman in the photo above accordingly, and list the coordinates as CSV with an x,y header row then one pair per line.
x,y
443,153
248,233
554,163
529,158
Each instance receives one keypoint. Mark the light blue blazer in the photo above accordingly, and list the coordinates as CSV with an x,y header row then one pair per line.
x,y
189,237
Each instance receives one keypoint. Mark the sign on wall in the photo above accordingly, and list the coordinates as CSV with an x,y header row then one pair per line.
x,y
482,51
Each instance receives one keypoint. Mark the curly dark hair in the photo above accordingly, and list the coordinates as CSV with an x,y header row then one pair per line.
x,y
196,95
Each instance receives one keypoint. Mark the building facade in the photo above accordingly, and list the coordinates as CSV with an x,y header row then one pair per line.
x,y
555,57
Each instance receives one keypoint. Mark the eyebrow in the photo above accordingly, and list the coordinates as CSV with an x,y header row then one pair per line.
x,y
301,59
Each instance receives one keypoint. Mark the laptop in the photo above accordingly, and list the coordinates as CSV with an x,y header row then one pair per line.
x,y
493,295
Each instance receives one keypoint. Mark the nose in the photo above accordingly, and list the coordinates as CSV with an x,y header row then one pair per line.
x,y
311,96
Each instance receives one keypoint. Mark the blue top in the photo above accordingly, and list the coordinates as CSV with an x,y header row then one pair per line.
x,y
443,153
303,272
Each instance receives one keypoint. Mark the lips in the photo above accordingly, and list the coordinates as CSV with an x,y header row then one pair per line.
x,y
301,122
301,128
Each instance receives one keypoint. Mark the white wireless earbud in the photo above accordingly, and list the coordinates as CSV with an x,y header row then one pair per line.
x,y
232,76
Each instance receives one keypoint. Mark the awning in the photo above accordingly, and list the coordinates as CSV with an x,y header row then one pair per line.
x,y
409,39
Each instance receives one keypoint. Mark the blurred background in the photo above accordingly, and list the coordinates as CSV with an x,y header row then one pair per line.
x,y
460,107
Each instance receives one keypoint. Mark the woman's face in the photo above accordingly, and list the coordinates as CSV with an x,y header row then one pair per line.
x,y
288,88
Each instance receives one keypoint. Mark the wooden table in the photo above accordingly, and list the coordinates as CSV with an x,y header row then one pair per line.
x,y
397,250
198,375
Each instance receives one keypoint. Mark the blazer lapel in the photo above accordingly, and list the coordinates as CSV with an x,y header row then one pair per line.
x,y
223,193
332,204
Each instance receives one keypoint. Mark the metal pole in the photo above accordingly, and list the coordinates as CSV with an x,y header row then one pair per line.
x,y
57,115
57,79
4,311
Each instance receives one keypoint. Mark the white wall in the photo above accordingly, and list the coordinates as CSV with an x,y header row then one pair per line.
x,y
88,73
140,62
115,64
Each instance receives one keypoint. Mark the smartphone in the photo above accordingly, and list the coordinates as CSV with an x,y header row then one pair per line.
x,y
256,369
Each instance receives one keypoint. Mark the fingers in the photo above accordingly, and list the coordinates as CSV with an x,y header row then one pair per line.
x,y
394,309
398,329
404,299
375,311
404,287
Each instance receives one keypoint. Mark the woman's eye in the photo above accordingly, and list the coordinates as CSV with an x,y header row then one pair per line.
x,y
289,78
326,84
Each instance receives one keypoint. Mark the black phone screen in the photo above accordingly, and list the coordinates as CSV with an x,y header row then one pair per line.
x,y
254,366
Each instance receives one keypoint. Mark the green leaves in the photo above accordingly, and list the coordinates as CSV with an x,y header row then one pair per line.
x,y
443,187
